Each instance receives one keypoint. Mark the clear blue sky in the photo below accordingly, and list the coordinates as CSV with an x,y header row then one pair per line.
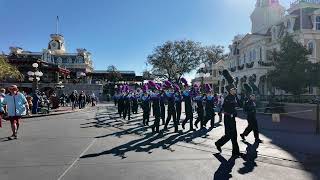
x,y
122,32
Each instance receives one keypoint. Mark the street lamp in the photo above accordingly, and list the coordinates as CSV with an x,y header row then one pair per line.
x,y
82,75
203,73
35,76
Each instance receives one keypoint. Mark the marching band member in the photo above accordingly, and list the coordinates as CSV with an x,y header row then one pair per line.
x,y
209,106
187,98
171,107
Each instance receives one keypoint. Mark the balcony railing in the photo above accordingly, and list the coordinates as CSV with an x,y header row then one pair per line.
x,y
240,67
250,65
267,64
307,1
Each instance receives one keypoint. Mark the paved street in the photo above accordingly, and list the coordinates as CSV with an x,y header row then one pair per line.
x,y
96,144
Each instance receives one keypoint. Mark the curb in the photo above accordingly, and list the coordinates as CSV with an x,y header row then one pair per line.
x,y
52,114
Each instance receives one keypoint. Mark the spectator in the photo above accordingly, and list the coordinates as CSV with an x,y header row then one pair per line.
x,y
93,99
2,96
16,106
82,100
29,100
73,99
63,100
36,100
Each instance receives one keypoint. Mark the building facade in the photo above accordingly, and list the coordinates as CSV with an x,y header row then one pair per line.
x,y
79,63
249,59
57,65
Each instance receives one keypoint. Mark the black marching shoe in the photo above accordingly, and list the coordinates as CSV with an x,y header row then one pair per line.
x,y
258,141
183,125
196,125
218,147
243,137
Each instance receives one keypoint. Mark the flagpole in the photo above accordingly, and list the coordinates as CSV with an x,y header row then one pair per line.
x,y
57,25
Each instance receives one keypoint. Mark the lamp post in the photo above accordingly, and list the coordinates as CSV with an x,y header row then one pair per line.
x,y
82,75
203,74
59,86
35,76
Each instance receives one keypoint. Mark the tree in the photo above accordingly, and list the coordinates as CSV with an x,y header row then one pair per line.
x,y
292,67
8,71
174,59
314,75
113,74
212,54
147,75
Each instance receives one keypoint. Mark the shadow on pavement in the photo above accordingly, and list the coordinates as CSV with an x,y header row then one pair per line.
x,y
295,136
225,168
148,141
249,158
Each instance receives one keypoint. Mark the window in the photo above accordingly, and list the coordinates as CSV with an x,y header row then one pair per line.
x,y
274,33
250,56
59,60
244,58
318,23
310,90
254,54
260,53
69,60
64,61
311,48
288,24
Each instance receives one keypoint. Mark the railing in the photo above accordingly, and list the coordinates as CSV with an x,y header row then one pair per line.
x,y
249,65
233,69
307,1
267,64
308,99
241,67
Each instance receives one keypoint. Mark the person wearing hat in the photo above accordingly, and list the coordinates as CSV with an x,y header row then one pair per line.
x,y
127,105
199,99
230,113
209,106
16,106
170,96
155,98
121,104
163,107
250,109
145,105
135,103
187,98
178,101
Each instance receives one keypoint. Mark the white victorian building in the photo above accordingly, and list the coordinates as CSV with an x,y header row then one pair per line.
x,y
249,59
